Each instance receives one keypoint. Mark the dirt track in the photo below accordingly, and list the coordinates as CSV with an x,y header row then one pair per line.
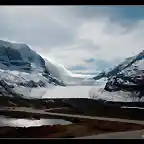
x,y
118,135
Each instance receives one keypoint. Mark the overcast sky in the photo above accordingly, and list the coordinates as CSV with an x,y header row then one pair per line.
x,y
73,34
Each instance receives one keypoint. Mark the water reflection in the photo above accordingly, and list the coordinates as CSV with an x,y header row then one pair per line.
x,y
4,121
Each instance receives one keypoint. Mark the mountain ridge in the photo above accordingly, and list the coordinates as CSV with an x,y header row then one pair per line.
x,y
129,78
22,67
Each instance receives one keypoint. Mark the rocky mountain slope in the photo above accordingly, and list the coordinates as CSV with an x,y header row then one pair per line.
x,y
21,67
128,76
125,80
113,71
131,78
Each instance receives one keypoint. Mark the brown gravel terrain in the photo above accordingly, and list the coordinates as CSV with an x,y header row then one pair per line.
x,y
82,125
88,117
83,128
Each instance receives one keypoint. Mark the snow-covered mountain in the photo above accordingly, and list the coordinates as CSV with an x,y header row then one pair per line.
x,y
113,71
128,77
131,73
124,82
21,67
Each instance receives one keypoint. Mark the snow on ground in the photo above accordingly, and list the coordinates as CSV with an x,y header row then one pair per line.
x,y
95,91
31,93
68,92
100,93
75,91
92,92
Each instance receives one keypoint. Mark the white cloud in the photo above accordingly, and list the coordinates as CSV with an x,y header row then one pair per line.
x,y
102,39
71,34
113,39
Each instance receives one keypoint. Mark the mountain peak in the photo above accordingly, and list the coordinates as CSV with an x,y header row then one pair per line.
x,y
129,76
16,56
21,68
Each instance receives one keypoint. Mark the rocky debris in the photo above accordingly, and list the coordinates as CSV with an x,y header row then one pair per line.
x,y
6,90
32,84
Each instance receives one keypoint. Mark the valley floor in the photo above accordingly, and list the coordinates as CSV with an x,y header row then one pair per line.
x,y
81,125
87,114
49,113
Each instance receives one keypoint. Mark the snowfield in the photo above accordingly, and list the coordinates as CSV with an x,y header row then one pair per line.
x,y
90,92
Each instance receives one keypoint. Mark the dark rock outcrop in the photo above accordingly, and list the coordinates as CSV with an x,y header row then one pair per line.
x,y
130,78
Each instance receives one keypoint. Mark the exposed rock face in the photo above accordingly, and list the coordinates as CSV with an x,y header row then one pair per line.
x,y
22,67
130,78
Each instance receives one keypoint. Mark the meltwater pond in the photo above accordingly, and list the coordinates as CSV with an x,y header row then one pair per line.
x,y
15,122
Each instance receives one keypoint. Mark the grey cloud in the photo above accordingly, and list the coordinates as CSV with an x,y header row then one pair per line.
x,y
44,26
4,25
89,12
125,15
43,35
35,29
48,26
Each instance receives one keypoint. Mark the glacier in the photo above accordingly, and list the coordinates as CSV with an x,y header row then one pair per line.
x,y
69,78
